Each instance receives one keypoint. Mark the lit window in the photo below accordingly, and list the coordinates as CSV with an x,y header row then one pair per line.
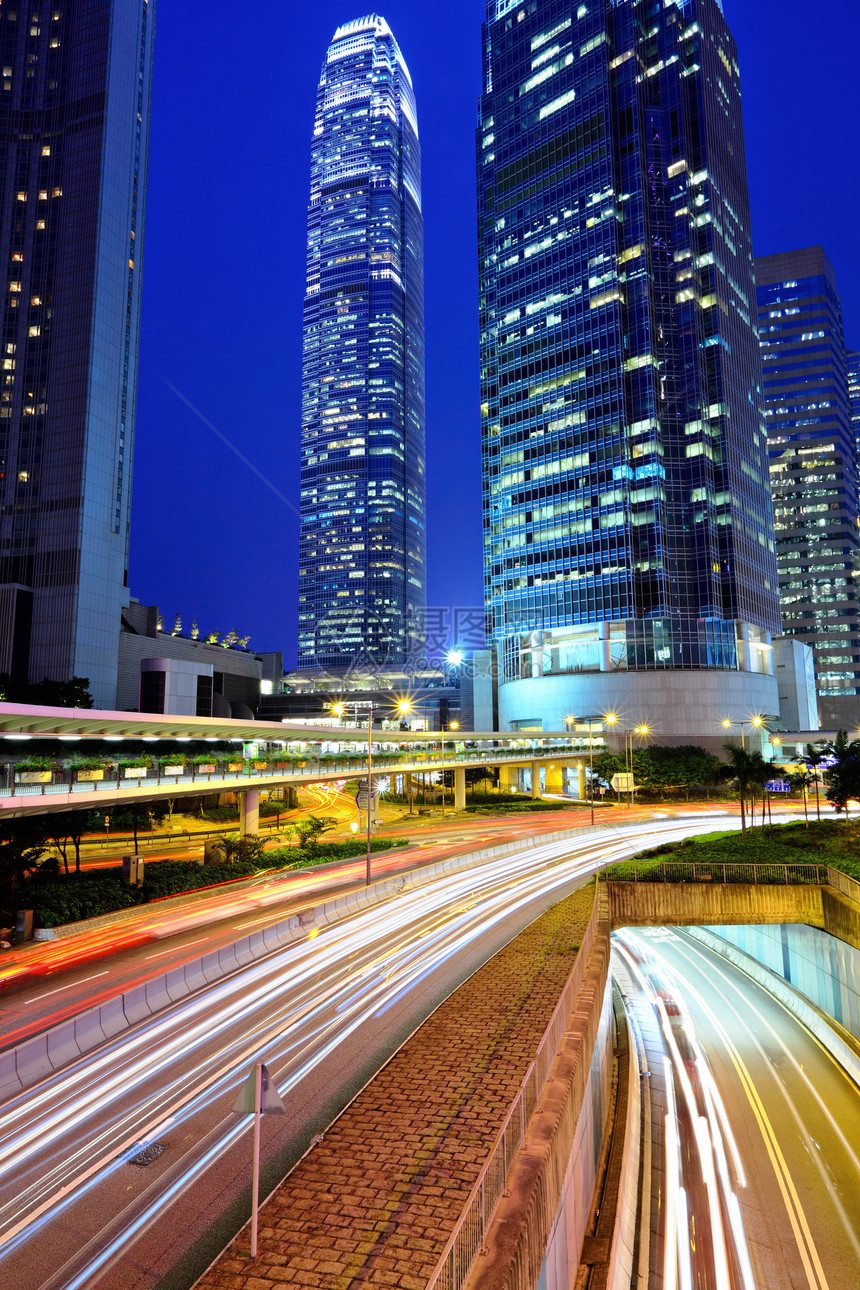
x,y
46,151
40,223
22,197
35,300
23,476
14,286
18,256
34,331
58,192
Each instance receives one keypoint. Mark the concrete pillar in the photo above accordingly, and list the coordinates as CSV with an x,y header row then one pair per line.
x,y
605,647
536,789
459,788
249,812
580,774
291,796
507,777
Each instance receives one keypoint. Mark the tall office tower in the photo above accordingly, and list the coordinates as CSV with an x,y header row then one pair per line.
x,y
853,360
628,527
813,470
361,567
74,132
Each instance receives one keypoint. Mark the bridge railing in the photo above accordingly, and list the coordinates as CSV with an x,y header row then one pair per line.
x,y
68,779
716,871
468,1238
848,886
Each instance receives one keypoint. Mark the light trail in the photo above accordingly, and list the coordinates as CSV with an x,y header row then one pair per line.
x,y
62,1141
780,1103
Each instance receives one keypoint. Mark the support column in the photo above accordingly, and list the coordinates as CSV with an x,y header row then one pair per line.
x,y
249,812
459,788
536,789
580,775
507,777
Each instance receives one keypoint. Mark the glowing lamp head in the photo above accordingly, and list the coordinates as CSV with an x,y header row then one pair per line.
x,y
726,724
610,718
338,709
354,826
455,725
454,657
757,721
404,706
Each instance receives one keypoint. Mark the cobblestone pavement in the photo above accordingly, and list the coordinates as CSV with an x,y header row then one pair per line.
x,y
375,1201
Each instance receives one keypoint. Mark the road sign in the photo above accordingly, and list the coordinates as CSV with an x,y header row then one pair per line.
x,y
778,786
270,1101
622,783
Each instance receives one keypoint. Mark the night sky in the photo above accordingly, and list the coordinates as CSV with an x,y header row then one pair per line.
x,y
233,104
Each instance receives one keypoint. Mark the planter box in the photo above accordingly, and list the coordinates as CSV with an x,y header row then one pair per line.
x,y
134,772
172,770
207,769
235,765
90,776
260,765
33,777
282,765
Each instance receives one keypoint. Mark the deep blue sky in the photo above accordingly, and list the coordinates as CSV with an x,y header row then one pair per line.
x,y
233,104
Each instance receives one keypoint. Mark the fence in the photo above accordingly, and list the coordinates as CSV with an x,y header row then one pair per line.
x,y
68,780
467,1240
716,872
848,886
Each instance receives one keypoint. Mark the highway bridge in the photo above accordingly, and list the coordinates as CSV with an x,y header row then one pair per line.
x,y
268,755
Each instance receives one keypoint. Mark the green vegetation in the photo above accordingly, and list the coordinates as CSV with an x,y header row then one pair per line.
x,y
59,898
829,842
49,694
662,772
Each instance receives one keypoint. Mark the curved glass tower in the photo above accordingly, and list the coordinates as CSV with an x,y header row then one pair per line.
x,y
361,576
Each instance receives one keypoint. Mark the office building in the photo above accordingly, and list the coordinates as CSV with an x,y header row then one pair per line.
x,y
74,132
361,569
813,470
852,358
629,543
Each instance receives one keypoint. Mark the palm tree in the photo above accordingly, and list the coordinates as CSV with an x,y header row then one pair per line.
x,y
843,782
740,767
814,758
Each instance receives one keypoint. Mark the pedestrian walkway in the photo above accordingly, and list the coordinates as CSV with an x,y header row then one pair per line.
x,y
374,1202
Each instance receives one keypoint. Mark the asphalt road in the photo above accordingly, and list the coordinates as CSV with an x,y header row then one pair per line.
x,y
323,1014
753,1129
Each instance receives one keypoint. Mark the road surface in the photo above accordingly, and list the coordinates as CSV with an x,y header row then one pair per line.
x,y
322,1013
752,1129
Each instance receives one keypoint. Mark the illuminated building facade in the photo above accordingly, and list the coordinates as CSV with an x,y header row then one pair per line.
x,y
74,137
813,470
853,361
628,528
361,570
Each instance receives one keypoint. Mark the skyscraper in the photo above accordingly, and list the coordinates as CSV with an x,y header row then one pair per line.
x,y
853,360
813,470
629,547
361,575
74,133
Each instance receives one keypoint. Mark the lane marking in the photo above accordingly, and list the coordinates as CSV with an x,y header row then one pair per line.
x,y
46,994
173,949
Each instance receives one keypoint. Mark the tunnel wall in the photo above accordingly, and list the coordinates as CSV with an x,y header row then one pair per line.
x,y
823,968
680,904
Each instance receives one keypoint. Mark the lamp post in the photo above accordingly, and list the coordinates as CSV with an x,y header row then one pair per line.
x,y
757,722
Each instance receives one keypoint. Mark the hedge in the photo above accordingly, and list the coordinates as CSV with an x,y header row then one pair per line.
x,y
74,897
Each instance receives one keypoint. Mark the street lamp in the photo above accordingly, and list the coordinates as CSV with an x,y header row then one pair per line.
x,y
454,657
757,721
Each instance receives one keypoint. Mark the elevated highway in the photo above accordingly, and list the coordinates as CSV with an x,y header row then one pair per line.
x,y
287,756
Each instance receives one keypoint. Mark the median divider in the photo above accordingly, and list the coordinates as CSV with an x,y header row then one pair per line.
x,y
33,1060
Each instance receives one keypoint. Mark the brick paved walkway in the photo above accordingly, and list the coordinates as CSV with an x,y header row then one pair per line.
x,y
375,1201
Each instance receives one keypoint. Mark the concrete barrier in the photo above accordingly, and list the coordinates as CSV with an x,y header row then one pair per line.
x,y
685,904
620,1274
30,1062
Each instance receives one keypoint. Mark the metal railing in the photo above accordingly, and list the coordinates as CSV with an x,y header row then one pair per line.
x,y
468,1239
69,780
849,887
716,871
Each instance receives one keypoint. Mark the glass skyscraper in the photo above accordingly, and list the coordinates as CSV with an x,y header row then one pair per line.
x,y
853,361
628,525
813,470
74,132
361,576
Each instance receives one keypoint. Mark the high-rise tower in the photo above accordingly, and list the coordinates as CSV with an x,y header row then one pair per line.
x,y
813,470
361,576
74,134
628,527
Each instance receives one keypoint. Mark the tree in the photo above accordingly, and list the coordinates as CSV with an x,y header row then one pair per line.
x,y
48,694
814,758
67,828
843,777
740,768
22,851
309,831
236,849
